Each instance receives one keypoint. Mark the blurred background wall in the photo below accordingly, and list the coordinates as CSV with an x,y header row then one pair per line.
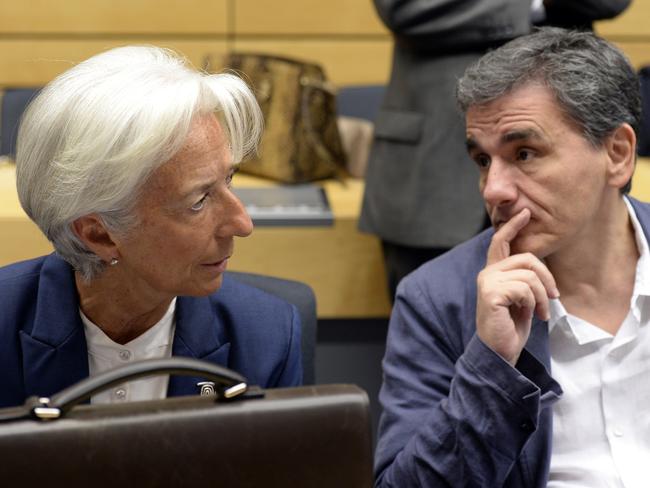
x,y
41,38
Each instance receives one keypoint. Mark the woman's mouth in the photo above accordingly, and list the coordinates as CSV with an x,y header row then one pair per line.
x,y
217,266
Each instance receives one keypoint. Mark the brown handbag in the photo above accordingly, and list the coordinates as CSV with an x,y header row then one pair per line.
x,y
317,436
301,141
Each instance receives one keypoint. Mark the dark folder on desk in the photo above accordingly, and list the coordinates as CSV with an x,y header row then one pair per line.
x,y
317,436
287,205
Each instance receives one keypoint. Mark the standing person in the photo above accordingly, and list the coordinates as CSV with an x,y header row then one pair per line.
x,y
125,163
421,198
562,283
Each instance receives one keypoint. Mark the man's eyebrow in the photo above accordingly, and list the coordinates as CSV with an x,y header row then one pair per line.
x,y
516,135
520,135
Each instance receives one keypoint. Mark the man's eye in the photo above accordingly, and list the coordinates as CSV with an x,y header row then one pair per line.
x,y
524,155
200,204
482,160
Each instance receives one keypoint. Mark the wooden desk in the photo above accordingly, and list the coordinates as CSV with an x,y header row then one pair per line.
x,y
343,266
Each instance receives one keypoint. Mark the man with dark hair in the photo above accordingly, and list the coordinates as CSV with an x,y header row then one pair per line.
x,y
420,196
560,284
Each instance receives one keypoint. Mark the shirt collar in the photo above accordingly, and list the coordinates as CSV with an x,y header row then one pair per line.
x,y
158,336
583,332
557,313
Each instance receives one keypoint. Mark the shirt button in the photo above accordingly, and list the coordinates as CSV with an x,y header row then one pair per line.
x,y
120,393
618,432
125,354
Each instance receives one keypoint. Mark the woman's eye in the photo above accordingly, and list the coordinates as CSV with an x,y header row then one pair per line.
x,y
231,175
199,205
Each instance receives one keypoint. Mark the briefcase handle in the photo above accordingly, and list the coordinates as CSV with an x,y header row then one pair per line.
x,y
228,384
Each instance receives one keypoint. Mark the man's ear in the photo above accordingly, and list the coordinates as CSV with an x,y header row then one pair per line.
x,y
90,229
621,148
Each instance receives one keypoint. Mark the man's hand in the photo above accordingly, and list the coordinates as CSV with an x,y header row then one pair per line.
x,y
510,290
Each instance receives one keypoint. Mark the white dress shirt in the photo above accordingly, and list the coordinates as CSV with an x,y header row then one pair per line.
x,y
601,425
105,354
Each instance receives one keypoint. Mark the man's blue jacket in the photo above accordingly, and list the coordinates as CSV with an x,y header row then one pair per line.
x,y
455,413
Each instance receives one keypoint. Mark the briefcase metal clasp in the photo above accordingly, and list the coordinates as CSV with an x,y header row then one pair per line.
x,y
43,410
206,388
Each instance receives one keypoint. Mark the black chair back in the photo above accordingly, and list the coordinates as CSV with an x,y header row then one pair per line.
x,y
361,101
14,103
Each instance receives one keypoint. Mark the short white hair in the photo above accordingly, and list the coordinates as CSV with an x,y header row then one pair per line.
x,y
93,135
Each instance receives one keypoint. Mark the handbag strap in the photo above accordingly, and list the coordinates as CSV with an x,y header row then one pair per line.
x,y
229,384
309,84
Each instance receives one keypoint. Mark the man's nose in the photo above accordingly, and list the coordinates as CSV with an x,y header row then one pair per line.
x,y
498,185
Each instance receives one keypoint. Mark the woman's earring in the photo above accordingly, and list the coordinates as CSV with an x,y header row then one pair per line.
x,y
114,261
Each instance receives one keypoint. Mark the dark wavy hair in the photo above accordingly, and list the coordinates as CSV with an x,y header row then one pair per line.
x,y
592,80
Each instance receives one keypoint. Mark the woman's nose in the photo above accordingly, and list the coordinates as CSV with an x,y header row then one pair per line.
x,y
236,221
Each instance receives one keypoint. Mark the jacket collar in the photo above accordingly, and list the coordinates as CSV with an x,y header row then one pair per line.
x,y
55,355
200,334
54,350
642,211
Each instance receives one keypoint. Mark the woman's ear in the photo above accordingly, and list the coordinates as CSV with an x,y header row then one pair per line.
x,y
90,229
621,148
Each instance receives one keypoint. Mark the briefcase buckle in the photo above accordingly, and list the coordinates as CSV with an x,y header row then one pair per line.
x,y
207,388
43,411
235,390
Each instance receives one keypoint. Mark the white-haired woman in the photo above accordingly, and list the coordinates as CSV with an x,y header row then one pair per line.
x,y
125,163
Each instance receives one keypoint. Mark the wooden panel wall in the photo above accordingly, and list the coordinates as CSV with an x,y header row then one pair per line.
x,y
113,17
41,38
631,32
34,62
307,17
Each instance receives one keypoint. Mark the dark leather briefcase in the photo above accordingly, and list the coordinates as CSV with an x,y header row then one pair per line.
x,y
240,436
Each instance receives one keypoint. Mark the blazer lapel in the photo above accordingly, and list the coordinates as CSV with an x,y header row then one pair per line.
x,y
54,350
537,343
199,334
642,211
535,457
